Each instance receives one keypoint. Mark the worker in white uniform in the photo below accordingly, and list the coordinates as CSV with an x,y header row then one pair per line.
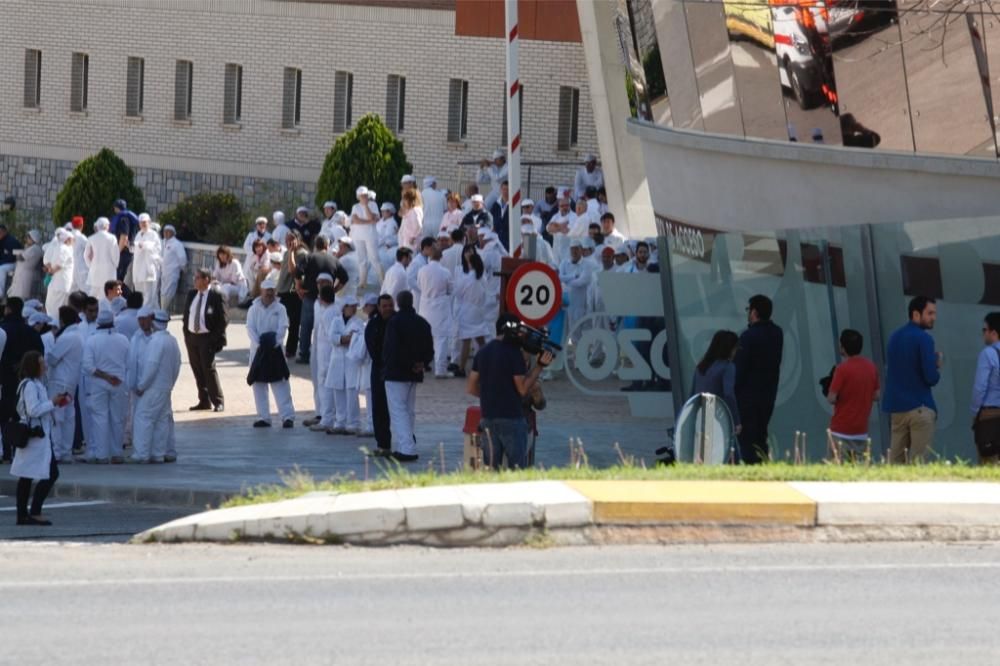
x,y
64,361
435,283
333,227
146,261
543,251
267,315
61,269
259,232
395,278
323,348
79,250
102,258
589,175
29,264
492,253
576,274
280,231
138,337
491,174
316,366
172,262
413,270
358,351
159,368
434,206
387,230
342,375
105,359
364,217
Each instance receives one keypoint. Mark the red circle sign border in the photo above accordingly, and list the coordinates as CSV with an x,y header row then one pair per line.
x,y
519,273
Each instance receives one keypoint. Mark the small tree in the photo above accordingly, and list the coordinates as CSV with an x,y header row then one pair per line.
x,y
369,154
93,187
209,217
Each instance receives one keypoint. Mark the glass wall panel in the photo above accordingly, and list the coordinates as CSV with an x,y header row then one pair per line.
x,y
946,96
713,68
650,60
751,43
871,84
678,66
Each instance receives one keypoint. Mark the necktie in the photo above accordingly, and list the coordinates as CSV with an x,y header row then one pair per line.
x,y
197,312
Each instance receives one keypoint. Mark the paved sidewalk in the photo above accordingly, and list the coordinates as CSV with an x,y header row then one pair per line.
x,y
221,454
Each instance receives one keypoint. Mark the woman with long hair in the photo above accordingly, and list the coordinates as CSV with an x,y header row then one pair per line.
x,y
256,267
229,275
411,229
452,218
716,372
469,300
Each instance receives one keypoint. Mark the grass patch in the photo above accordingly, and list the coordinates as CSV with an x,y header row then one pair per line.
x,y
299,482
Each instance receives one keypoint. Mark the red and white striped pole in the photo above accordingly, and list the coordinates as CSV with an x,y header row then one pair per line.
x,y
513,126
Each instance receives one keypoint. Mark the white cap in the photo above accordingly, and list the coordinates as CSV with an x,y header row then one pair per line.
x,y
33,303
477,198
102,224
589,157
161,316
443,234
430,180
346,240
330,204
268,284
371,299
576,243
482,231
145,311
34,235
498,153
324,276
62,235
349,300
37,318
171,229
408,178
301,209
339,217
588,243
388,205
278,217
144,217
26,312
622,249
260,220
275,257
361,192
372,195
105,318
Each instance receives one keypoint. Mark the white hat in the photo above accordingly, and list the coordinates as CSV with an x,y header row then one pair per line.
x,y
349,301
324,276
482,231
301,209
576,243
118,303
105,318
34,235
275,257
477,198
260,220
268,284
330,204
339,217
430,180
144,217
372,195
407,179
622,249
26,312
62,235
33,303
527,228
278,217
161,316
102,224
37,318
443,234
528,202
498,153
388,205
589,157
145,311
371,299
169,228
346,240
588,243
361,192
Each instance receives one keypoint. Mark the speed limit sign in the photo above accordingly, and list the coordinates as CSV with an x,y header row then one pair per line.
x,y
534,293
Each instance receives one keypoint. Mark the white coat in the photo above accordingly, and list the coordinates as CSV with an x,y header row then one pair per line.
x,y
560,239
322,346
172,262
27,271
34,408
585,179
159,366
263,319
452,257
146,263
127,322
332,230
65,361
62,280
388,241
339,373
280,233
543,252
395,280
80,271
470,305
102,256
576,279
106,350
350,264
358,356
434,207
434,282
251,237
412,271
158,369
136,356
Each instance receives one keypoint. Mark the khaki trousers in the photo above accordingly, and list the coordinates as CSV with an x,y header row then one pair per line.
x,y
913,434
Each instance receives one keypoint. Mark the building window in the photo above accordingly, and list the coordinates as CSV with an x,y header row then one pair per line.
x,y
183,79
79,76
343,87
232,103
458,109
569,117
32,79
134,87
520,113
395,102
291,100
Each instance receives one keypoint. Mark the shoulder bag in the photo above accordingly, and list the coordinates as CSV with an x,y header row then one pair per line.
x,y
986,428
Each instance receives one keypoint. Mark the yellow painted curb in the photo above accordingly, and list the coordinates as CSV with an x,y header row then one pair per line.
x,y
734,502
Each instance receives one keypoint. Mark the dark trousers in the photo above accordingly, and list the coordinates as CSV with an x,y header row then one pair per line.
x,y
201,356
124,261
306,327
755,416
293,307
41,491
380,414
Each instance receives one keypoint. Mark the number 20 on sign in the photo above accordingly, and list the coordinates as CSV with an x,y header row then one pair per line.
x,y
534,294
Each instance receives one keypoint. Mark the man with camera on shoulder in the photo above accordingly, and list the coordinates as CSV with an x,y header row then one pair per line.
x,y
501,380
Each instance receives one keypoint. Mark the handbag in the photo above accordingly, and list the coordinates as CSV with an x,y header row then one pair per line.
x,y
16,433
986,428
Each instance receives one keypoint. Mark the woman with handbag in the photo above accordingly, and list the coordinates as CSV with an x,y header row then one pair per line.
x,y
33,458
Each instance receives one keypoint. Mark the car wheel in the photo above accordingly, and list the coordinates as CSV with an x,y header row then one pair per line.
x,y
804,99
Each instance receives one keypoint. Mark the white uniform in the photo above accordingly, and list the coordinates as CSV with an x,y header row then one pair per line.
x,y
325,405
251,237
145,266
576,279
543,252
80,271
280,233
232,282
102,261
470,305
365,240
127,322
342,374
388,241
269,319
412,271
434,207
64,362
173,261
435,284
492,257
452,257
158,369
395,280
62,280
28,270
350,264
490,177
35,408
332,230
106,350
585,179
560,239
357,353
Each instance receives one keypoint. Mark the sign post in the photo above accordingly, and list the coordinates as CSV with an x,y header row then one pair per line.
x,y
513,126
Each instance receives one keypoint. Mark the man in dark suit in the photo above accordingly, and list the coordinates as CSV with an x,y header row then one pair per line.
x,y
407,352
205,322
375,339
501,215
758,369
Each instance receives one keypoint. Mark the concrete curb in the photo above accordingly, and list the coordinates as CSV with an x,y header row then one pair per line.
x,y
502,514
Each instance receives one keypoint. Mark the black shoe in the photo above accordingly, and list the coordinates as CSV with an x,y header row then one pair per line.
x,y
288,423
458,373
404,457
219,408
453,367
201,407
302,360
28,520
262,424
380,453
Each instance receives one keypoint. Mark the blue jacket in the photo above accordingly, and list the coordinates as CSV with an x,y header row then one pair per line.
x,y
758,363
911,370
7,247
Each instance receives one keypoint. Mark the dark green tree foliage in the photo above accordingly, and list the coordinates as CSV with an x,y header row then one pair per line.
x,y
93,187
210,217
368,154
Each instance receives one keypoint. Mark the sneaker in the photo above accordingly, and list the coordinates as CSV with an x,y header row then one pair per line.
x,y
459,373
308,423
453,368
288,423
132,460
337,431
317,427
262,424
169,459
156,461
404,457
381,453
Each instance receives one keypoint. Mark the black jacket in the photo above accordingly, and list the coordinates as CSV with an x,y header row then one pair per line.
x,y
501,222
21,339
314,266
408,347
478,218
758,363
7,247
375,340
269,364
216,317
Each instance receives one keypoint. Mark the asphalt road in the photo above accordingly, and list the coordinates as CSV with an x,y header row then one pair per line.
x,y
761,604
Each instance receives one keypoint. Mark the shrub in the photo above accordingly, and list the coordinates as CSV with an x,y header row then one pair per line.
x,y
93,187
209,217
369,154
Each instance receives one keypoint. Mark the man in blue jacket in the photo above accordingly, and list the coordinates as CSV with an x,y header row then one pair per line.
x,y
124,226
758,368
912,368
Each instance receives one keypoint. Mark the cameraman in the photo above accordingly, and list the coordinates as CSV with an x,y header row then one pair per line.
x,y
501,381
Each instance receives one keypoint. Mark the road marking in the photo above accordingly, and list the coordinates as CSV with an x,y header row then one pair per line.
x,y
60,505
457,575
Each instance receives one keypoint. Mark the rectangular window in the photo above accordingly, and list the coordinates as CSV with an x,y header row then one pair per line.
x,y
458,109
135,82
569,117
395,102
291,100
232,106
32,79
520,113
79,75
183,79
343,86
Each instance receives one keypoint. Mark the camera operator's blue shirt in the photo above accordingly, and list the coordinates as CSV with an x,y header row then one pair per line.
x,y
497,364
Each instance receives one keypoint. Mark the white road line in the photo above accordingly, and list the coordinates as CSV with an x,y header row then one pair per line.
x,y
454,575
60,505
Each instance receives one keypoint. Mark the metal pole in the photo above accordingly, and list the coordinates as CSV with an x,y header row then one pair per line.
x,y
514,124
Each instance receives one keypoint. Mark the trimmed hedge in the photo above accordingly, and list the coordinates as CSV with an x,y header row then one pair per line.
x,y
209,217
93,187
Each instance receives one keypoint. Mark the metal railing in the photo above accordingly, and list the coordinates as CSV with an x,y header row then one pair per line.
x,y
527,166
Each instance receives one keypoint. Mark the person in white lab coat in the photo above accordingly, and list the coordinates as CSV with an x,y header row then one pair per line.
x,y
558,227
342,375
358,351
159,367
491,174
80,271
315,364
228,276
492,253
35,462
469,310
105,361
387,230
65,361
320,358
136,355
413,270
258,233
434,206
589,175
268,316
60,267
576,274
435,284
543,251
333,226
102,256
395,278
364,218
172,263
280,231
29,267
146,261
348,258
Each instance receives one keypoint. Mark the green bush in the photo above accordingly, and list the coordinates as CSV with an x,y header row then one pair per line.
x,y
368,154
93,187
210,217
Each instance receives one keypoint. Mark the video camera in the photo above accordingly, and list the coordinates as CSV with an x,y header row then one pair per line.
x,y
532,340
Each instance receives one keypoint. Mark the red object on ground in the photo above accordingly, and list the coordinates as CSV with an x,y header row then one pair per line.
x,y
472,416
